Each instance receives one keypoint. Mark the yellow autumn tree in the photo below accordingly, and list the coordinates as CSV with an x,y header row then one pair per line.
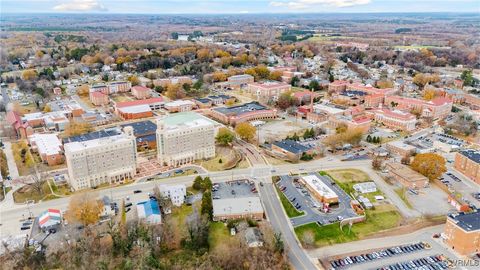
x,y
82,90
428,94
246,131
84,208
29,74
75,128
430,165
134,80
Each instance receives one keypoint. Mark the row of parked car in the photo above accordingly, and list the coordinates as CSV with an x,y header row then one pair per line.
x,y
383,253
292,199
435,262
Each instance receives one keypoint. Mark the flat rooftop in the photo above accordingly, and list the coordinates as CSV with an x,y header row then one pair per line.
x,y
93,135
471,154
141,128
184,117
321,188
406,173
81,145
468,222
291,146
240,109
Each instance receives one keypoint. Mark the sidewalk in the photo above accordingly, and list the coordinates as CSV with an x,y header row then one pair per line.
x,y
13,172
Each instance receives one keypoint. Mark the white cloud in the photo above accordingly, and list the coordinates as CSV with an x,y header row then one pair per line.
x,y
81,5
303,4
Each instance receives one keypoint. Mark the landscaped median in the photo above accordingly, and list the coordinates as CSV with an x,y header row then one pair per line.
x,y
289,208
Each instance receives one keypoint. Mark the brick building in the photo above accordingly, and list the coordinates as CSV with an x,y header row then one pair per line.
x,y
438,107
242,113
462,232
395,119
406,176
268,90
141,92
99,98
468,163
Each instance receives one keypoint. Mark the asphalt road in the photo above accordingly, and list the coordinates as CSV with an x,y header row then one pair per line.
x,y
275,214
10,216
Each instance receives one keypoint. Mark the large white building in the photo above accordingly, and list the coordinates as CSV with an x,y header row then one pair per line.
x,y
185,137
176,193
108,157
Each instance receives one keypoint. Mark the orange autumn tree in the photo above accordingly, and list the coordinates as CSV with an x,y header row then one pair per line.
x,y
85,209
430,165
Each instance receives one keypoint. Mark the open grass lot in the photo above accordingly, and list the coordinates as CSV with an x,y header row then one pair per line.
x,y
121,98
218,235
228,157
377,220
62,190
318,37
289,208
29,193
346,178
417,47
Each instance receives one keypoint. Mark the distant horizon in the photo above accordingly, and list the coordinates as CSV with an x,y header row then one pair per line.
x,y
205,7
245,14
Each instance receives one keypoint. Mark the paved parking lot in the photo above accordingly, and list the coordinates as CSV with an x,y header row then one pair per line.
x,y
430,201
463,186
378,255
310,206
234,189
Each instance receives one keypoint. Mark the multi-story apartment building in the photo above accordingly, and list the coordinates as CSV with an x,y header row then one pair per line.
x,y
268,90
183,138
468,163
99,98
141,92
462,232
395,119
110,88
101,157
176,193
240,81
438,107
173,80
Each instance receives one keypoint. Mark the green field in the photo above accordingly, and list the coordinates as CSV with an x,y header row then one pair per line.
x,y
318,37
417,47
331,234
289,208
218,234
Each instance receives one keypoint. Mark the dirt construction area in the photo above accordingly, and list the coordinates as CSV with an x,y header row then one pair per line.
x,y
273,130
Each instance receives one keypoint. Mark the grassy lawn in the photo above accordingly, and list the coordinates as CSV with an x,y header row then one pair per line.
x,y
218,234
401,192
28,193
227,156
121,98
60,190
289,208
377,220
346,178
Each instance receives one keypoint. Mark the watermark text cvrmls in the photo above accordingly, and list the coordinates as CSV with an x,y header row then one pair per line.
x,y
466,263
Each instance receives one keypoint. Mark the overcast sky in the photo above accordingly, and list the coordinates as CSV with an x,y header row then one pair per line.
x,y
236,6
